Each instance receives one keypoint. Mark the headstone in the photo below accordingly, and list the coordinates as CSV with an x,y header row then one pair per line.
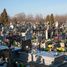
x,y
62,44
56,24
46,34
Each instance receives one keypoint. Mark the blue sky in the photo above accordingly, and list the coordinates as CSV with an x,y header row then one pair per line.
x,y
34,6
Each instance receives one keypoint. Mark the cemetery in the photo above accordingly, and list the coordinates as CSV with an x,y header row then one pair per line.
x,y
32,43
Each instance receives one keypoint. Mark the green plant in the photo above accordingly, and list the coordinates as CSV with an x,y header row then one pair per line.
x,y
46,49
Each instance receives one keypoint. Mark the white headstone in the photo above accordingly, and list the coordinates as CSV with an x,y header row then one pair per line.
x,y
46,34
11,26
56,24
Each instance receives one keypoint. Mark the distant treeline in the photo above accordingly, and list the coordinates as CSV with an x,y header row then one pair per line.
x,y
23,18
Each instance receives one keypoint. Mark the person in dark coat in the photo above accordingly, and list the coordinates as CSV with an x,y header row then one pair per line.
x,y
10,38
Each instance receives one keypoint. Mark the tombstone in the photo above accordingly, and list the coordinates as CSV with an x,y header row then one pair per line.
x,y
11,26
56,24
46,34
26,45
62,44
